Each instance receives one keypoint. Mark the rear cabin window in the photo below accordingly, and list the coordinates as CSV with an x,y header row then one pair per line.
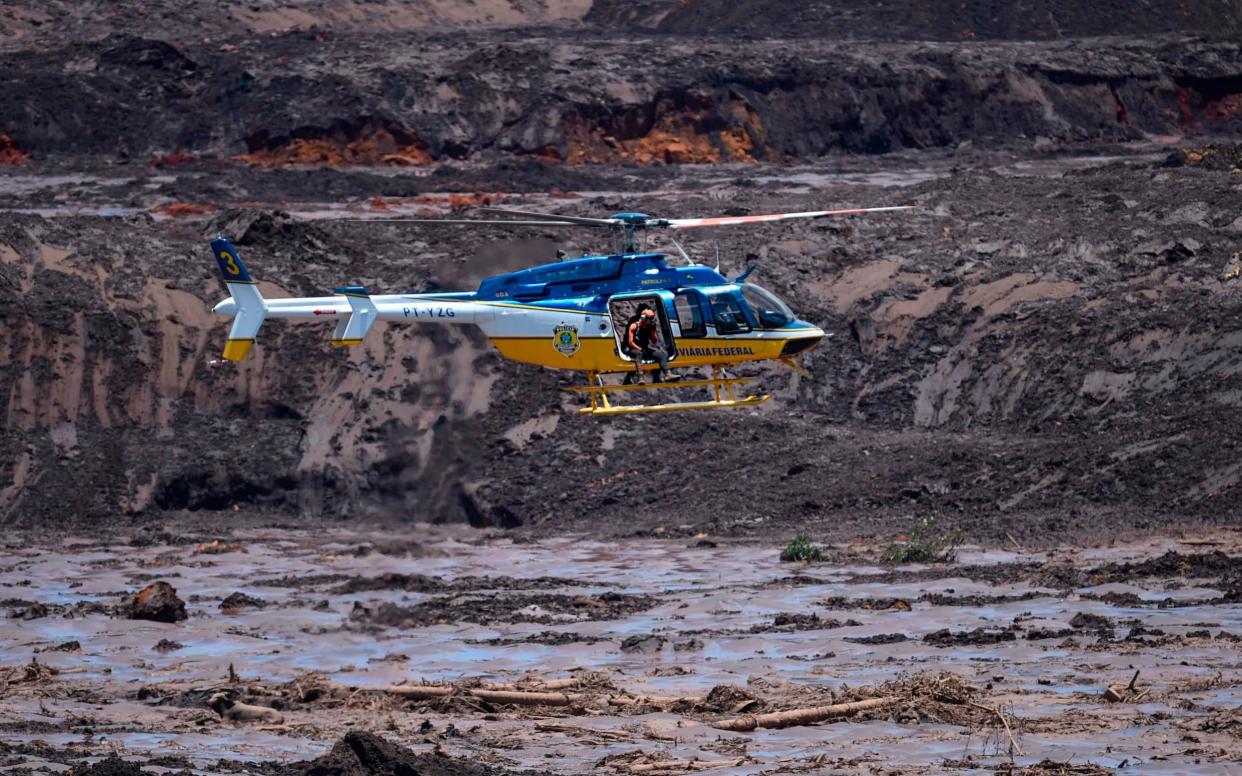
x,y
689,316
728,314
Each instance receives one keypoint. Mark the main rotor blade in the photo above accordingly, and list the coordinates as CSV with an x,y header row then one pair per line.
x,y
455,221
568,219
688,223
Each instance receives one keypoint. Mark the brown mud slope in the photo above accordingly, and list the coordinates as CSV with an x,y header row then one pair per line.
x,y
1066,661
28,22
34,22
924,19
1035,355
580,97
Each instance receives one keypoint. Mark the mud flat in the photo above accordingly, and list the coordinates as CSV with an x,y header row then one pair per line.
x,y
566,655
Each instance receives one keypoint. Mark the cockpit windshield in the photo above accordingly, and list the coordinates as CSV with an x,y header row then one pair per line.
x,y
771,312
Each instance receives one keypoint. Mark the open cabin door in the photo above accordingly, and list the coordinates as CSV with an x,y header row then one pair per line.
x,y
625,309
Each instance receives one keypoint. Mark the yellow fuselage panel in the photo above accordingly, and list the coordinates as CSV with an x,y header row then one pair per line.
x,y
599,354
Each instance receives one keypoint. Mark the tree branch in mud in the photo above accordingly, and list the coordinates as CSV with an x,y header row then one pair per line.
x,y
545,695
427,692
675,766
1013,742
807,716
1128,694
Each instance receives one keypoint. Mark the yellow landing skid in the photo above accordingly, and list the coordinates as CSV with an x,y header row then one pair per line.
x,y
721,388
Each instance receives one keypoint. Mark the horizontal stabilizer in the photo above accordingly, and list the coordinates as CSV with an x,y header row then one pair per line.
x,y
362,314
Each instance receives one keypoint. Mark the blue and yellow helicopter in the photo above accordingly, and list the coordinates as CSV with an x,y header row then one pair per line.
x,y
575,313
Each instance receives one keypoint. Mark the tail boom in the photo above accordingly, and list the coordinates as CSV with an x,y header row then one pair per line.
x,y
353,309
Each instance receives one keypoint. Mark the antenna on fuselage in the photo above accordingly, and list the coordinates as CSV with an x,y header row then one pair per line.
x,y
682,251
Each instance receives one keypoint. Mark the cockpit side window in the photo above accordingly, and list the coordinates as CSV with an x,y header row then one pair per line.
x,y
689,315
769,310
728,315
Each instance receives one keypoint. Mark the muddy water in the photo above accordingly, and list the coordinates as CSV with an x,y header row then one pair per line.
x,y
710,617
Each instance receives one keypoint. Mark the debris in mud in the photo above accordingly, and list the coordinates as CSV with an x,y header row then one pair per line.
x,y
926,543
112,765
978,636
1226,721
366,754
419,583
28,610
1208,565
729,698
942,599
236,711
239,600
662,763
168,645
867,604
804,716
411,583
1037,634
157,601
34,671
1127,693
879,638
645,644
1094,623
545,638
217,547
68,646
800,621
1053,768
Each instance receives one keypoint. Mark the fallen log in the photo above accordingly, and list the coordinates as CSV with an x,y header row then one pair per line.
x,y
677,766
426,692
807,716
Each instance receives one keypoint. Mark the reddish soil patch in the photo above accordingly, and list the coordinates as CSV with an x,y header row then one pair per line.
x,y
11,153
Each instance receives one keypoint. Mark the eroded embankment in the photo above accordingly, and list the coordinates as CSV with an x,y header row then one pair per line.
x,y
633,656
1044,346
300,99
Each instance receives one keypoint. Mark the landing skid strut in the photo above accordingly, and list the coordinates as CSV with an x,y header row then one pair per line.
x,y
721,388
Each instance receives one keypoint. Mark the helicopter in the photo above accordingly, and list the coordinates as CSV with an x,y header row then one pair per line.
x,y
574,313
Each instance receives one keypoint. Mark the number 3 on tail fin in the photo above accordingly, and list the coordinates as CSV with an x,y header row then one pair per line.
x,y
231,266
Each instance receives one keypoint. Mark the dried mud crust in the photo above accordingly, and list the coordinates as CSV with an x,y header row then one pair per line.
x,y
533,607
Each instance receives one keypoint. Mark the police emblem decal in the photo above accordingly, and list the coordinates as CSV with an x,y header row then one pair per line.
x,y
565,339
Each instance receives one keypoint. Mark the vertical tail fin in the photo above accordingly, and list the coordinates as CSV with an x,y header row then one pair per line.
x,y
251,309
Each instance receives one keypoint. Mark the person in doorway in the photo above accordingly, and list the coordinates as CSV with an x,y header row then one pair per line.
x,y
642,338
